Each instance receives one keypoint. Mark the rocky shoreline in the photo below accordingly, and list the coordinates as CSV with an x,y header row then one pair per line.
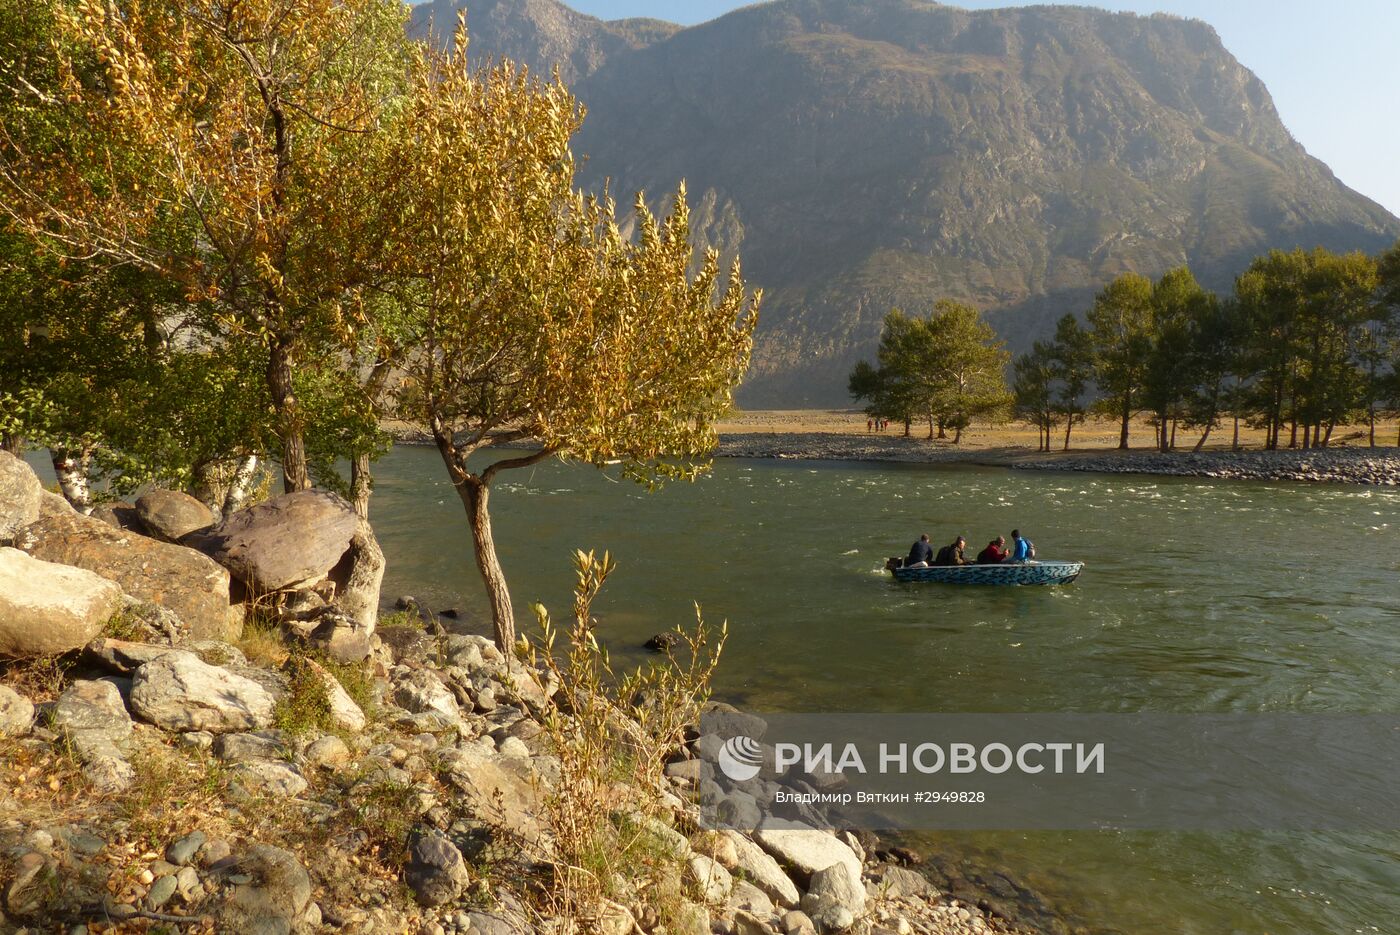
x,y
1373,466
297,765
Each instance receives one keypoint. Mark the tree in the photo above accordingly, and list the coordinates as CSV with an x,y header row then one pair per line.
x,y
893,387
1121,327
1034,389
530,316
1072,355
1178,303
966,367
1384,348
1215,372
223,148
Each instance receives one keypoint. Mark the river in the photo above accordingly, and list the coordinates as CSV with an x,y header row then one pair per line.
x,y
1210,597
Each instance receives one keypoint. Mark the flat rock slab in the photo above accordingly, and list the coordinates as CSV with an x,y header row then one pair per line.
x,y
121,656
179,692
289,540
172,515
20,494
92,708
807,851
181,580
47,607
760,869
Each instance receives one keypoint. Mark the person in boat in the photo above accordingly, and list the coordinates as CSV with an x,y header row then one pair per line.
x,y
995,553
953,554
921,554
1022,550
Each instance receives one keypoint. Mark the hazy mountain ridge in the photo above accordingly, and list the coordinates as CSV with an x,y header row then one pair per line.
x,y
881,152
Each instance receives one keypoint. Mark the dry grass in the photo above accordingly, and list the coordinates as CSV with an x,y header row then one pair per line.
x,y
1096,434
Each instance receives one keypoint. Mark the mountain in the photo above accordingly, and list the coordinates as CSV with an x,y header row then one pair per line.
x,y
868,153
541,33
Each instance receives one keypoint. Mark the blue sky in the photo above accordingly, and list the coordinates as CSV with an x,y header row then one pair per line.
x,y
1330,65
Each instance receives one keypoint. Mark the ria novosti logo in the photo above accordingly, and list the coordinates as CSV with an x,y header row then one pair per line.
x,y
741,758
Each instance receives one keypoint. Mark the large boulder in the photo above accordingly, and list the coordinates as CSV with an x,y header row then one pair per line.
x,y
48,608
288,540
92,715
436,872
20,494
807,851
276,897
181,580
172,515
179,692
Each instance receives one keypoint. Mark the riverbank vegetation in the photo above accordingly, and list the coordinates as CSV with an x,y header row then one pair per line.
x,y
1307,342
256,233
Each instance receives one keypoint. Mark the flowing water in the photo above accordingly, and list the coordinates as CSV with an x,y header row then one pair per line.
x,y
1232,596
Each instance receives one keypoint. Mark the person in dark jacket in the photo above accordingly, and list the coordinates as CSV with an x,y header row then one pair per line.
x,y
921,554
953,554
995,553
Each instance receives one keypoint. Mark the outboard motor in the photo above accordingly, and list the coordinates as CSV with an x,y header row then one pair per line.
x,y
893,563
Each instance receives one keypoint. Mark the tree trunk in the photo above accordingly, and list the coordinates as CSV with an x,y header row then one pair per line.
x,y
241,484
1123,435
957,435
1173,441
941,433
1307,436
15,445
908,426
1293,434
474,496
1371,418
1327,439
70,467
1204,435
361,484
1069,427
1235,442
284,399
1162,432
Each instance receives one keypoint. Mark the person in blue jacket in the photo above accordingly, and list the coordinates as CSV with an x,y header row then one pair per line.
x,y
1022,550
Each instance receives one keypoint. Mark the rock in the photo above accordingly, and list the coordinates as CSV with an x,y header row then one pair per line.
x,y
345,713
214,851
746,923
513,746
20,493
181,580
327,752
283,542
711,879
240,748
33,884
121,656
422,691
48,608
16,713
797,923
119,515
728,721
268,778
749,898
762,870
276,898
182,852
663,642
898,883
161,892
807,850
835,899
690,919
490,923
407,645
337,635
436,872
178,692
502,792
92,708
171,515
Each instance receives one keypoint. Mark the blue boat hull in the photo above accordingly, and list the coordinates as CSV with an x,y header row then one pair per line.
x,y
1022,573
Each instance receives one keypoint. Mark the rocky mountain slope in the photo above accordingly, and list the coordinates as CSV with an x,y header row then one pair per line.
x,y
880,152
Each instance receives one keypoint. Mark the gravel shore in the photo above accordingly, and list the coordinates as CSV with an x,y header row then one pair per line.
x,y
1377,466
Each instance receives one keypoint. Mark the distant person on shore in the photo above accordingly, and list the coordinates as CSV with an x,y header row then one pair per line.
x,y
869,426
921,554
995,553
1022,550
953,554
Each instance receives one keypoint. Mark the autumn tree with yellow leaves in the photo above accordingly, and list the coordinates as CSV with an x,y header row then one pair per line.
x,y
534,319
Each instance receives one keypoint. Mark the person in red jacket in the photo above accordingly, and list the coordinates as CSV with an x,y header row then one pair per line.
x,y
995,553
